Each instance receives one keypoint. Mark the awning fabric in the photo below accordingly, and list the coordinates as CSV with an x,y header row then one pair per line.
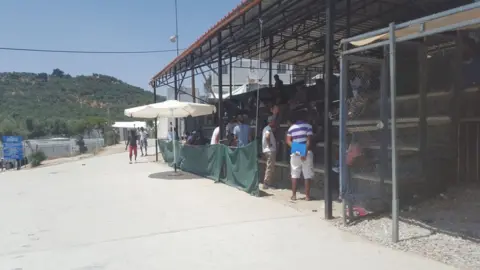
x,y
238,91
429,25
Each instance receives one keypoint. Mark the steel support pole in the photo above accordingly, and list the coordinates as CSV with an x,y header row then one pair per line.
x,y
344,176
220,87
176,91
343,134
393,95
422,106
176,77
176,119
194,91
270,59
455,105
329,13
384,132
194,96
230,75
156,120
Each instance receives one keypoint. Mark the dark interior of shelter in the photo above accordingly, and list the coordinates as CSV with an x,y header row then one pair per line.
x,y
438,84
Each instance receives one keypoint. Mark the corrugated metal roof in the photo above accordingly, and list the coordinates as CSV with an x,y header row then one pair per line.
x,y
298,28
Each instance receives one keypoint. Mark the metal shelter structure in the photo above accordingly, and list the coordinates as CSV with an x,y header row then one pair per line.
x,y
459,18
302,33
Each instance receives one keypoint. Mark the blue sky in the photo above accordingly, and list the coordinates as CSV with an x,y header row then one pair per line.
x,y
106,25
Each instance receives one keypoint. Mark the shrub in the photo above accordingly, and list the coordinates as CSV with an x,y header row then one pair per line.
x,y
111,138
36,158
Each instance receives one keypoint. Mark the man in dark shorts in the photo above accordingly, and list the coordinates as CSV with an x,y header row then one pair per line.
x,y
132,145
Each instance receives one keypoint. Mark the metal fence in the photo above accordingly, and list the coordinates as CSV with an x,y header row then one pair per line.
x,y
388,137
364,136
59,149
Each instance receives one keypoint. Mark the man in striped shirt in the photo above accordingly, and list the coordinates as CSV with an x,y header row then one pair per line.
x,y
301,132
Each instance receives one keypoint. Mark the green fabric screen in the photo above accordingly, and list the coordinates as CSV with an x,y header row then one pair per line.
x,y
203,160
237,167
242,168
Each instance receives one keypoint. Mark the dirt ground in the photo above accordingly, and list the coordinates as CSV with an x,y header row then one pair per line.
x,y
453,212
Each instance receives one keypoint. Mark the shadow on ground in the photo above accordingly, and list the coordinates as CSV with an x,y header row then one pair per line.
x,y
171,175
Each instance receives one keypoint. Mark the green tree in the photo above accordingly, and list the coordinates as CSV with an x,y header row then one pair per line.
x,y
29,124
8,127
77,127
35,101
58,73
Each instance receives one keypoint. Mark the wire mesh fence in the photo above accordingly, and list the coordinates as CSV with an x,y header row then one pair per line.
x,y
436,122
59,149
366,136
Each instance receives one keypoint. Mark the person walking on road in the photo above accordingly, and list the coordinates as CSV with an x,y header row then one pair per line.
x,y
269,147
143,141
132,145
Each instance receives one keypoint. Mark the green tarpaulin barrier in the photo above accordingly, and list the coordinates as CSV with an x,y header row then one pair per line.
x,y
203,160
237,167
242,168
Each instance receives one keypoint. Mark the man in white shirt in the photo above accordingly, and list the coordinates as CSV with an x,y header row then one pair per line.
x,y
215,136
269,147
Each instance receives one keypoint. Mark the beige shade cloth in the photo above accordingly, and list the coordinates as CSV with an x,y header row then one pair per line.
x,y
429,25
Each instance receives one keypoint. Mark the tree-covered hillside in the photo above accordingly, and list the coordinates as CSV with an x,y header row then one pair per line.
x,y
58,103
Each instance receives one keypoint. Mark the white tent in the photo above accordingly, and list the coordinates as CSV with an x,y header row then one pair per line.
x,y
240,90
132,124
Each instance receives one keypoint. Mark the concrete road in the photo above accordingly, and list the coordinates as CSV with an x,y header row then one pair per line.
x,y
102,213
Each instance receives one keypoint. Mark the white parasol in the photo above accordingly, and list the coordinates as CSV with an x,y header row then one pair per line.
x,y
173,109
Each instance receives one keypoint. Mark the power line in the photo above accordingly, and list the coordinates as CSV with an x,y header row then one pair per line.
x,y
85,52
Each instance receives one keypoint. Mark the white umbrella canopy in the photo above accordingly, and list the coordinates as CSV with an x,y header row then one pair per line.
x,y
170,108
130,111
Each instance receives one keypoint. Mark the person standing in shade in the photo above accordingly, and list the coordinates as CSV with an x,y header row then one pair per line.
x,y
215,136
170,135
229,130
2,165
143,141
242,132
269,147
301,133
132,145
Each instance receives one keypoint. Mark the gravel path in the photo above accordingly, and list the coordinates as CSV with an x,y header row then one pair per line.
x,y
451,250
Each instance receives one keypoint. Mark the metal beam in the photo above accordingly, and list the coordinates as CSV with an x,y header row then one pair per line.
x,y
220,87
230,76
422,104
304,52
270,51
176,119
274,27
155,125
329,12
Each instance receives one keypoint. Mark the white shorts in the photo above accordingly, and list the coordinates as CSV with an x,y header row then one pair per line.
x,y
299,166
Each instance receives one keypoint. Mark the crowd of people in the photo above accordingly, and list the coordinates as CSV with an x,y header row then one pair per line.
x,y
279,107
